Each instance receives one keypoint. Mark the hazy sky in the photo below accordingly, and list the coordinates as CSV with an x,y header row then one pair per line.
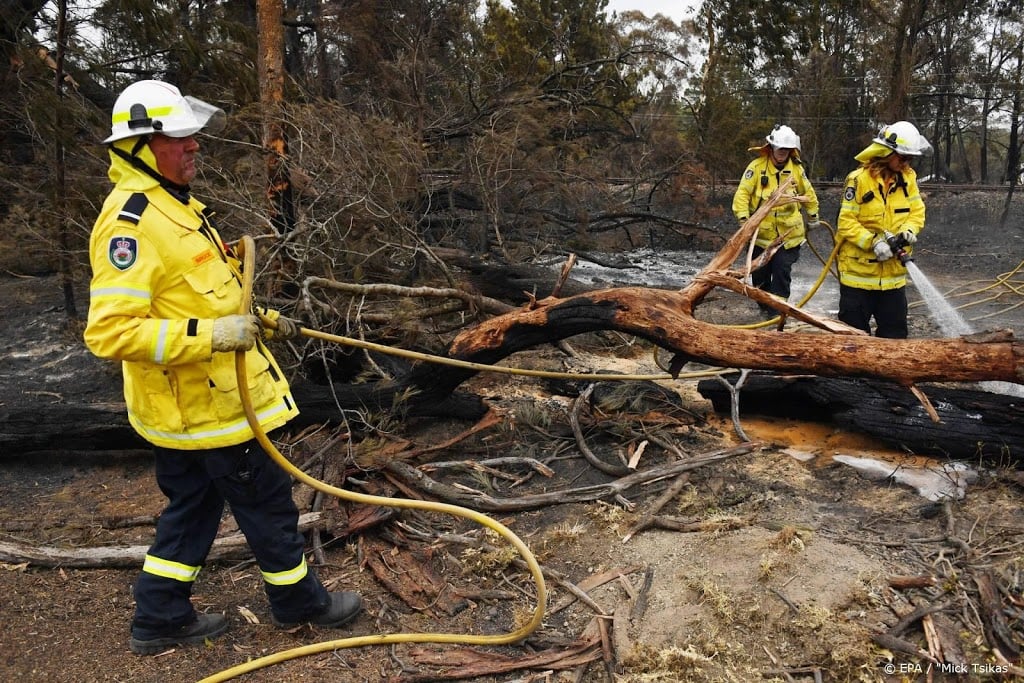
x,y
676,9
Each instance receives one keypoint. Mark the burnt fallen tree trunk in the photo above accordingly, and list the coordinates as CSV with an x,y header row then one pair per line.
x,y
429,389
103,425
974,424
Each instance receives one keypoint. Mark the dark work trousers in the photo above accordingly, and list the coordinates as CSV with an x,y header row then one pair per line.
x,y
258,491
776,275
888,307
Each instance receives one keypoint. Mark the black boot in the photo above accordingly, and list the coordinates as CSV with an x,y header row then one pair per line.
x,y
343,608
205,626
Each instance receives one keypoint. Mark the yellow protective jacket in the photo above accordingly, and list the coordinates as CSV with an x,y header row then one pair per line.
x,y
760,179
870,208
160,276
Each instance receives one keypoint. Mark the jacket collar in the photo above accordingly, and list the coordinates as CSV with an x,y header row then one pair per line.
x,y
133,168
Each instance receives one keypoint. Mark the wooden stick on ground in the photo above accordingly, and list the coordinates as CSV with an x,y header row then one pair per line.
x,y
581,443
663,500
232,547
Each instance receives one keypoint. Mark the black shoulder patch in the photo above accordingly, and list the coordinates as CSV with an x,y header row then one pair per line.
x,y
133,208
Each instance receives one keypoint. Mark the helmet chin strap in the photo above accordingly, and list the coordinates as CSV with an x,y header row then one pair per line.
x,y
180,192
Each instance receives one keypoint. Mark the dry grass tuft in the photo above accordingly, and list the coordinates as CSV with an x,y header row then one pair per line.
x,y
650,665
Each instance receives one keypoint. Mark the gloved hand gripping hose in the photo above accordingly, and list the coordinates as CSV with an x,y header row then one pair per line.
x,y
248,251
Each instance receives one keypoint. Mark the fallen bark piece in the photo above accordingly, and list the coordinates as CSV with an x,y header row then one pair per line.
x,y
908,620
902,646
362,518
946,635
607,657
997,631
640,604
903,582
459,663
699,525
622,644
592,582
408,576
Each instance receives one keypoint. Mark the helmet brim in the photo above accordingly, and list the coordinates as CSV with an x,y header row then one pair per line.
x,y
873,151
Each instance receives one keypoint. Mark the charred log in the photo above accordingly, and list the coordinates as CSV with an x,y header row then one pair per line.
x,y
104,426
320,404
975,424
661,317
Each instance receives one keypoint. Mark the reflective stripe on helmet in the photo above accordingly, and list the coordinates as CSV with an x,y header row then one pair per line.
x,y
119,117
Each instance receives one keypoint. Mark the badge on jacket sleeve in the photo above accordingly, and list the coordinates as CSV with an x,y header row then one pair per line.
x,y
123,251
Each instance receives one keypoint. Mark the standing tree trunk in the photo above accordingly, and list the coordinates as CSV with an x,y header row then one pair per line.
x,y
325,82
270,27
1013,148
905,33
59,181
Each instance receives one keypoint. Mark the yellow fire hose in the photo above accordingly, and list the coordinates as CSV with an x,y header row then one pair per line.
x,y
248,255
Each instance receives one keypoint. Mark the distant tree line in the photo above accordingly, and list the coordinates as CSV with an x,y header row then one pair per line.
x,y
364,133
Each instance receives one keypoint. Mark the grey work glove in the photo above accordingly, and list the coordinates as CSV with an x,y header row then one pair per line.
x,y
883,252
235,332
277,326
813,224
287,328
908,236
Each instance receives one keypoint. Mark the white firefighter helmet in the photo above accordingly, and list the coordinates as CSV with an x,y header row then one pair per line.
x,y
903,138
783,136
147,107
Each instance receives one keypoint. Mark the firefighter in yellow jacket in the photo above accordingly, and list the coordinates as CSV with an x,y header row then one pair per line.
x,y
164,301
778,160
881,207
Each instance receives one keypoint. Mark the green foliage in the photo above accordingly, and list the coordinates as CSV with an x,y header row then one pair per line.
x,y
206,48
567,51
761,33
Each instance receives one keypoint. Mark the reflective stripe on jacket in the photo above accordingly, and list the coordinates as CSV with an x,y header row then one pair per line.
x,y
870,208
760,179
160,276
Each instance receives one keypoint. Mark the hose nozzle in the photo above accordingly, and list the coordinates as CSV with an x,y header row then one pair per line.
x,y
899,245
